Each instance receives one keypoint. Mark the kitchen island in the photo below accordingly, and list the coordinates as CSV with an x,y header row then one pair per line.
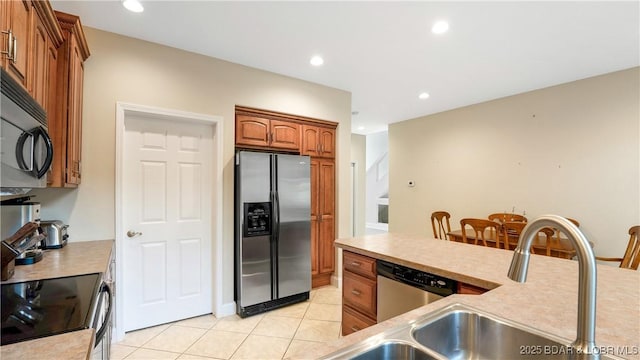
x,y
76,258
547,301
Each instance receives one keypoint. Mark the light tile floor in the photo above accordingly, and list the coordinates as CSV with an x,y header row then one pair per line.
x,y
273,335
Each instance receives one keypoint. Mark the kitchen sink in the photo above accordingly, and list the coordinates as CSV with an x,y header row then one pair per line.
x,y
393,350
461,332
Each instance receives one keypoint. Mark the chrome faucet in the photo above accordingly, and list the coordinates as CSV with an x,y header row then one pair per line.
x,y
585,337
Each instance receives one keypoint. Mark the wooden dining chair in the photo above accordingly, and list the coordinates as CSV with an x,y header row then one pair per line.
x,y
553,240
507,217
480,227
511,231
438,221
631,258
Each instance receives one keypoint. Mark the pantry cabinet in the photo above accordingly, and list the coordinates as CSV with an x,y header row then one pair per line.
x,y
322,221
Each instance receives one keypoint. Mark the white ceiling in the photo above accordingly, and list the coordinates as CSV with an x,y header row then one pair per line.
x,y
384,52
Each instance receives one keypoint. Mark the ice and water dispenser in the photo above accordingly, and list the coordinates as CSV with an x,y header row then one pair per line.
x,y
257,219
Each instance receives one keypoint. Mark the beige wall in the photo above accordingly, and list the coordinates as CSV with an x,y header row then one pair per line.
x,y
571,150
358,156
134,71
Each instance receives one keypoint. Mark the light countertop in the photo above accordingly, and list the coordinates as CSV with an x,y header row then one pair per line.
x,y
547,301
76,258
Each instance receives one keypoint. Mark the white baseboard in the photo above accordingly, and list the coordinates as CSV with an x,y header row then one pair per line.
x,y
226,309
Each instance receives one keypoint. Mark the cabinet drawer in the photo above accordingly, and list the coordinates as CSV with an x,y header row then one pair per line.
x,y
353,321
359,264
359,293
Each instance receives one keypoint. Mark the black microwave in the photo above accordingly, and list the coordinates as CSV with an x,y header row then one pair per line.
x,y
27,151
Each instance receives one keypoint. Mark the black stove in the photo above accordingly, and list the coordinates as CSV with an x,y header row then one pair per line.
x,y
35,309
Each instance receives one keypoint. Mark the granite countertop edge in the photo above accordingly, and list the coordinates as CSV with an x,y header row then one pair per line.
x,y
547,301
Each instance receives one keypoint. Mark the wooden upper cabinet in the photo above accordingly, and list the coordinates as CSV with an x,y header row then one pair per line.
x,y
65,127
29,28
310,140
318,141
252,130
46,37
285,135
39,70
16,25
328,142
263,132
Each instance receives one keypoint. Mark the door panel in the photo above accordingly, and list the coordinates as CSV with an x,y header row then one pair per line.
x,y
255,282
310,145
294,232
252,130
254,179
285,135
167,183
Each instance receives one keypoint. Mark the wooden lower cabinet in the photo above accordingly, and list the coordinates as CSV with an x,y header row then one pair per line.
x,y
353,321
468,289
359,292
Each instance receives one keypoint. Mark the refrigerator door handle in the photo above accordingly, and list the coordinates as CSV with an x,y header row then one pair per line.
x,y
276,213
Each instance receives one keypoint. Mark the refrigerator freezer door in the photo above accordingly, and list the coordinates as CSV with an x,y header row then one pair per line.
x,y
254,277
294,228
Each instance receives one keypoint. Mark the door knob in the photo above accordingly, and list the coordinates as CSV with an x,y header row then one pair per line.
x,y
132,233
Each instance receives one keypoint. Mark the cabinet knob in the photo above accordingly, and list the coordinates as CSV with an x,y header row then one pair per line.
x,y
355,263
356,292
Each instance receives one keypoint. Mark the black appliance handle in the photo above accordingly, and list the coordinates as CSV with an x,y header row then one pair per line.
x,y
277,214
42,171
20,150
105,324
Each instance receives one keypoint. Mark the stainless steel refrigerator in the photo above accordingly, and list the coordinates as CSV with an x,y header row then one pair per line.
x,y
272,231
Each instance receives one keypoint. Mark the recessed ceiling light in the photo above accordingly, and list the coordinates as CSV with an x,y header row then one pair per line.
x,y
440,27
316,60
423,96
361,128
133,5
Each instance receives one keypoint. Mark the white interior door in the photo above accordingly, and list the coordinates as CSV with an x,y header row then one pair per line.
x,y
166,188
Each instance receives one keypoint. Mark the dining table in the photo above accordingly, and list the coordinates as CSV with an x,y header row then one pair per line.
x,y
560,247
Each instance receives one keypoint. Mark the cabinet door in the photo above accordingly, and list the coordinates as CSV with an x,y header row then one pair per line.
x,y
315,261
327,142
18,22
56,130
310,144
74,140
251,130
326,211
284,135
39,67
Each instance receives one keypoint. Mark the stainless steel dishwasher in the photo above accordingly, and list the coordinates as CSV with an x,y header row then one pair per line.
x,y
401,289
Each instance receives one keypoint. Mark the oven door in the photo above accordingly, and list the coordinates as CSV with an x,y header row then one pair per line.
x,y
103,324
